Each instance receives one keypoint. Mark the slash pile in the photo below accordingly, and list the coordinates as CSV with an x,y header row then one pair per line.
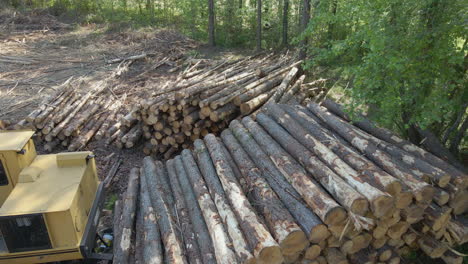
x,y
205,98
297,185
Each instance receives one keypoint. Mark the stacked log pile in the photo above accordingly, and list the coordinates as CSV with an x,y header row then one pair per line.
x,y
206,97
72,116
302,185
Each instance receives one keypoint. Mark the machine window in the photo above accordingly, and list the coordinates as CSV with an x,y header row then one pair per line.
x,y
3,175
25,233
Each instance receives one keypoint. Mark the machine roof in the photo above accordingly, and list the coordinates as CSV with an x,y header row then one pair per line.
x,y
53,191
14,140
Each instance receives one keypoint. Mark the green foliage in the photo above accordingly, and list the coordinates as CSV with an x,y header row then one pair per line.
x,y
110,202
405,58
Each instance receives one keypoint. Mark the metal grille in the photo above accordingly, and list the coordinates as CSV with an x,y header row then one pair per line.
x,y
25,233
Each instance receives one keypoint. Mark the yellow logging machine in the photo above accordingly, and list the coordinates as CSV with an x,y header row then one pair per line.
x,y
49,204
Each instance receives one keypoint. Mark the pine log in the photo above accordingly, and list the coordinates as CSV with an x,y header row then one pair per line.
x,y
188,172
51,107
451,258
252,105
69,115
322,204
307,219
431,247
284,85
265,248
184,223
161,200
380,202
259,90
335,256
287,233
116,223
223,112
289,94
122,251
423,192
152,251
82,117
219,197
296,117
386,135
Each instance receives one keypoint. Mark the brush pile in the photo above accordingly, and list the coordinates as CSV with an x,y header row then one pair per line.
x,y
208,95
298,185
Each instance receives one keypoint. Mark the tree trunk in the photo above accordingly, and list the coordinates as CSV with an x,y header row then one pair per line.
x,y
305,17
323,205
290,237
259,25
184,223
122,250
211,23
285,23
265,248
456,140
217,193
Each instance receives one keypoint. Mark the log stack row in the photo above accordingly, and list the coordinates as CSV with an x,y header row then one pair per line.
x,y
300,185
206,97
74,115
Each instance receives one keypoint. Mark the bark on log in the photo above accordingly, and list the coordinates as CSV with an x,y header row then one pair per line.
x,y
289,94
152,251
287,233
219,197
75,108
116,224
265,248
307,219
322,204
197,211
254,104
380,202
386,135
191,246
122,251
369,171
284,85
161,200
423,192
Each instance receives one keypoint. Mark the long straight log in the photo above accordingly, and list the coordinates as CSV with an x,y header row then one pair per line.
x,y
309,222
289,94
423,192
321,203
386,135
152,251
122,251
190,242
264,246
69,115
173,248
284,85
219,197
380,202
335,185
290,237
195,190
372,173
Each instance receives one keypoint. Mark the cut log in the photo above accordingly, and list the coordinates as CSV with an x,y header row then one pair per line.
x,y
289,94
323,205
217,193
173,246
309,222
423,192
152,251
335,256
284,85
265,248
184,223
368,170
202,207
290,237
122,250
380,202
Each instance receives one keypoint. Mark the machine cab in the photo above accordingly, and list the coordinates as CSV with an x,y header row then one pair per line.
x,y
45,201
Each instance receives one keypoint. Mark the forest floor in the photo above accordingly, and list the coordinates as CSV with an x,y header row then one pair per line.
x,y
39,53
